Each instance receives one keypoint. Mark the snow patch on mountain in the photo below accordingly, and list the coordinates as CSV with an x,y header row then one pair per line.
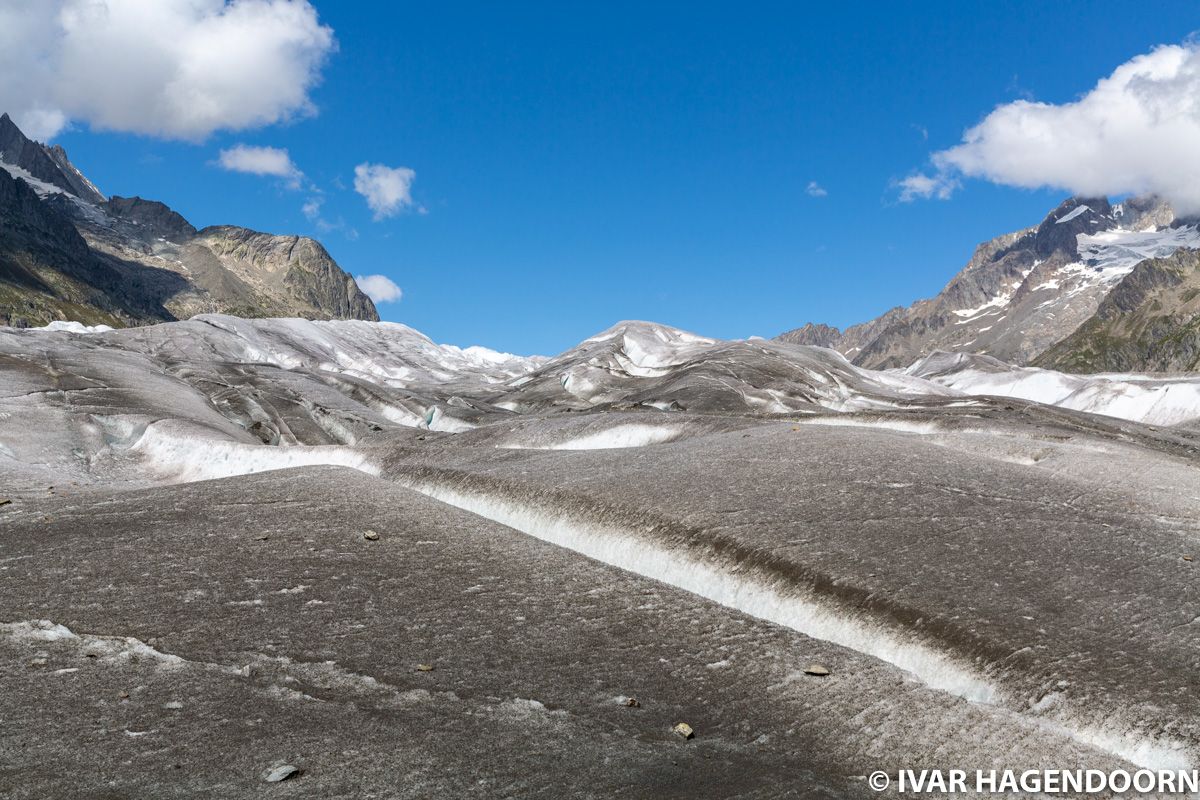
x,y
42,188
1080,209
1120,250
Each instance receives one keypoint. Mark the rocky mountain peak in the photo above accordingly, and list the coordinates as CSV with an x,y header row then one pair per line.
x,y
49,165
156,218
81,187
814,334
1060,230
1141,213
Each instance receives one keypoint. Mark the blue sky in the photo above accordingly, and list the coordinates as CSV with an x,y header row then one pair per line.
x,y
577,164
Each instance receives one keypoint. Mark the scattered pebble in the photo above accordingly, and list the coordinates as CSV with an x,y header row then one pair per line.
x,y
4,501
370,536
684,730
263,538
633,702
1188,558
281,773
819,670
424,667
174,705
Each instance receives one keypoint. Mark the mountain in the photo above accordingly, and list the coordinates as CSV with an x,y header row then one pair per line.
x,y
1149,323
67,252
1023,293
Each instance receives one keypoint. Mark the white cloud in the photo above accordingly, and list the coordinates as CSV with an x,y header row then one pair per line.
x,y
272,161
172,68
1136,131
388,189
920,185
379,288
815,189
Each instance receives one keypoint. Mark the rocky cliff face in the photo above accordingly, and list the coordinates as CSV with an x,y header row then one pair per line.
x,y
46,268
288,271
67,252
1024,292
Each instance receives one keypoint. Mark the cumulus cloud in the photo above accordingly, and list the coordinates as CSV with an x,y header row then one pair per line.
x,y
177,69
815,189
271,161
1136,131
379,288
388,190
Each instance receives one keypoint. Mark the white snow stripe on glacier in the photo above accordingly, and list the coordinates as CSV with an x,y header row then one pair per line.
x,y
636,554
619,436
758,598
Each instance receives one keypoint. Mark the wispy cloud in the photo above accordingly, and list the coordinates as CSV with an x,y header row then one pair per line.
x,y
313,212
815,189
312,208
922,186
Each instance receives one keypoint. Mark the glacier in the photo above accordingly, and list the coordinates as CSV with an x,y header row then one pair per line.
x,y
346,529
